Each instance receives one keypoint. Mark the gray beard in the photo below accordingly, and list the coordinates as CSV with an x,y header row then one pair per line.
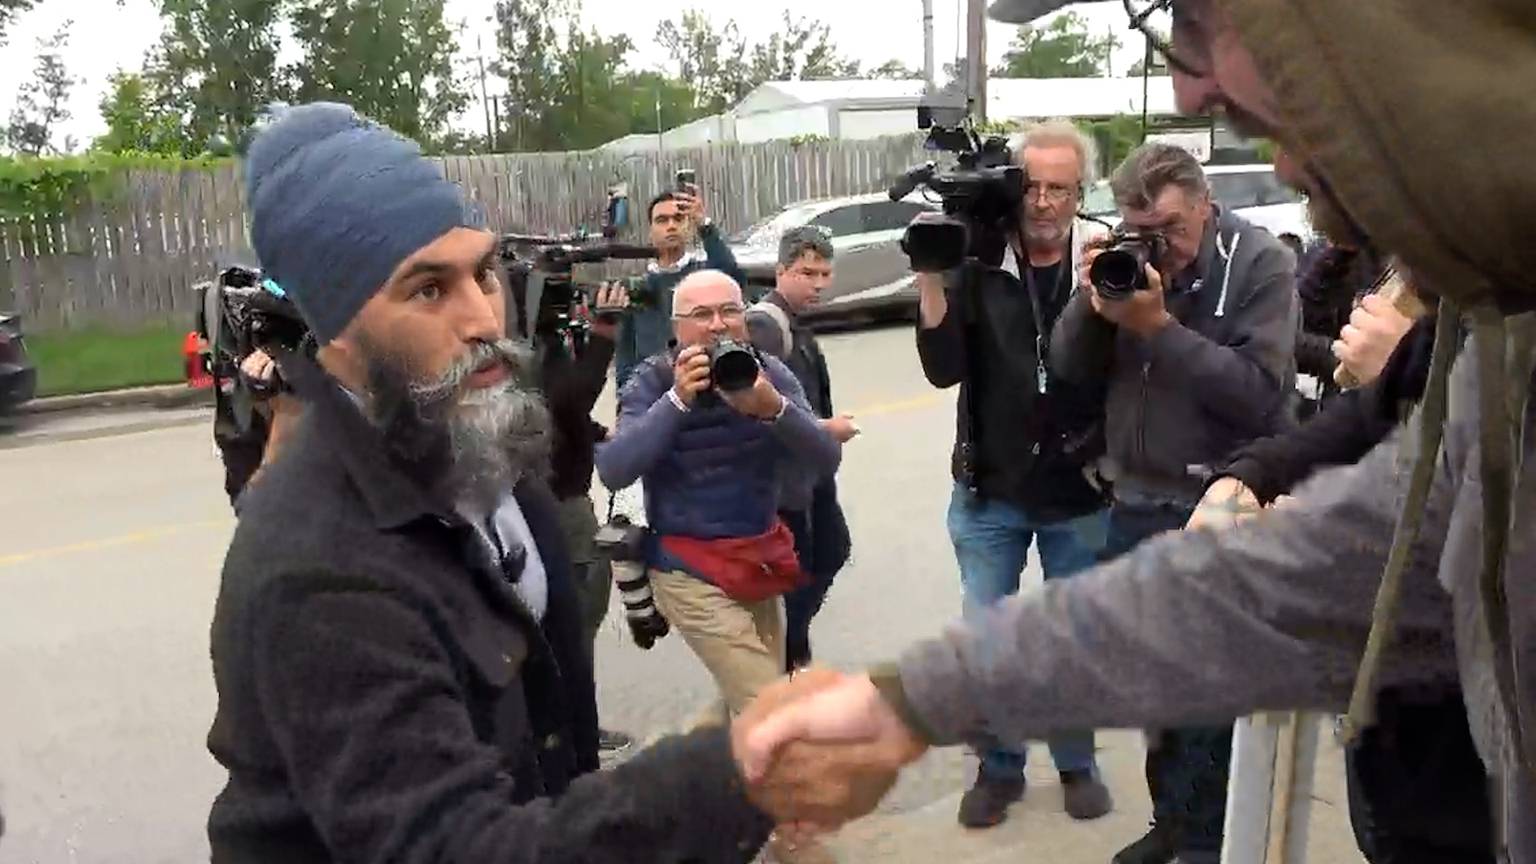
x,y
471,447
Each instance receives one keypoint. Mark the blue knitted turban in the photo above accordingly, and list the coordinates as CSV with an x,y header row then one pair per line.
x,y
337,202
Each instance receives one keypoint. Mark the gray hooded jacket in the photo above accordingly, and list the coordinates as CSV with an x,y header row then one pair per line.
x,y
1216,378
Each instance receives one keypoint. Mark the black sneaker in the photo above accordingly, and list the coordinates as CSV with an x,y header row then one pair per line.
x,y
1157,846
985,804
1085,796
609,741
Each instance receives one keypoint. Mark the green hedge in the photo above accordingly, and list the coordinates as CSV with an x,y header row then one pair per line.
x,y
46,186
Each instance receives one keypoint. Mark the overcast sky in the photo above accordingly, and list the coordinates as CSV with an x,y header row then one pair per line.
x,y
106,38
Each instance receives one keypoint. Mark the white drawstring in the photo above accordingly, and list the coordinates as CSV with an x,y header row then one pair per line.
x,y
1226,277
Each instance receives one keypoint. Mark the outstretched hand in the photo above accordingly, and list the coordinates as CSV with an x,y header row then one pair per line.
x,y
821,749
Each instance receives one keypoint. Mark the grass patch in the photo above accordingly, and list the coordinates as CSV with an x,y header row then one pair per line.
x,y
91,360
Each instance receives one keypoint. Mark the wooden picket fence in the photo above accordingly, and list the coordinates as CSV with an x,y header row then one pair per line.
x,y
130,256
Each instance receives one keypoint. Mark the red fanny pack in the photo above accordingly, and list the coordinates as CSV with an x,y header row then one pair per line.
x,y
747,569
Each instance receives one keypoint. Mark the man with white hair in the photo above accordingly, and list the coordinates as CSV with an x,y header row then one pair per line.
x,y
1024,439
720,459
717,465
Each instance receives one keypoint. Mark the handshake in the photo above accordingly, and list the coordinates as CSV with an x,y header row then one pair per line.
x,y
820,749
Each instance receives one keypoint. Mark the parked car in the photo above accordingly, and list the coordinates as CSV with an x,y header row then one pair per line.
x,y
18,377
872,277
1251,191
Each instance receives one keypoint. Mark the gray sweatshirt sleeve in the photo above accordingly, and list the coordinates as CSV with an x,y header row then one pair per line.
x,y
1243,378
1199,627
1082,343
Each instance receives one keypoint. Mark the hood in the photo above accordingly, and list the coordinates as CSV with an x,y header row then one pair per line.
x,y
1421,117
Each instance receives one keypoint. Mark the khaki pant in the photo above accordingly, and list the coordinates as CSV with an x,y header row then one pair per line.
x,y
741,644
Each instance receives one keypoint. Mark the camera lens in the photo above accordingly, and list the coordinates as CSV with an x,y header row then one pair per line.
x,y
732,366
1117,272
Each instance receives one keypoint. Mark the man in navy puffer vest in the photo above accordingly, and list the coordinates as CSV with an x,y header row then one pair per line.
x,y
717,468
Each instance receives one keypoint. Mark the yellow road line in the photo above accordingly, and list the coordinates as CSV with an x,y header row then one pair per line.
x,y
133,539
140,537
925,401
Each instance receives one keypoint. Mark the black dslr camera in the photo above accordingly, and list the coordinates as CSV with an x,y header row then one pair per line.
x,y
733,367
1121,269
981,195
623,543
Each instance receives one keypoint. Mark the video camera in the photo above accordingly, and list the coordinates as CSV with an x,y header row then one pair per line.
x,y
241,312
981,196
540,270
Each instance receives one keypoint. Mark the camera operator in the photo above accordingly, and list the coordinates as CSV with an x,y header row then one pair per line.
x,y
572,375
821,532
1023,436
1198,358
677,221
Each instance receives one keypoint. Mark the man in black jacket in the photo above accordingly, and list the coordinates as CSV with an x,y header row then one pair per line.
x,y
400,665
573,369
1197,363
1023,436
821,533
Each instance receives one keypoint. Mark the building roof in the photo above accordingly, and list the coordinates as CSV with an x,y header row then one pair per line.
x,y
1006,97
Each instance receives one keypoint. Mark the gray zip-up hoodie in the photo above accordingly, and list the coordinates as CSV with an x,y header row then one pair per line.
x,y
1214,379
1199,627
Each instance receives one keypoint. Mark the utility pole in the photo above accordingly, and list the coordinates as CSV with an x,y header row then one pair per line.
x,y
485,99
976,58
930,85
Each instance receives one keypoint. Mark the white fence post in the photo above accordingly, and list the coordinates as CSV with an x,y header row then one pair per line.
x,y
1269,790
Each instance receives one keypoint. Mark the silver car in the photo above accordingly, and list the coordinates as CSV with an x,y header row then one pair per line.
x,y
872,277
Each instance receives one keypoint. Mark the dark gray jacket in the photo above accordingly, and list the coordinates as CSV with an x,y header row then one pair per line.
x,y
1218,377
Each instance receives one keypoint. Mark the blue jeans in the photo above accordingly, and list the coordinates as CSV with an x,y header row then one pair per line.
x,y
1186,768
992,545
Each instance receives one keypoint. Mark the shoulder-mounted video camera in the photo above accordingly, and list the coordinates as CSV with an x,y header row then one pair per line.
x,y
540,273
981,195
242,312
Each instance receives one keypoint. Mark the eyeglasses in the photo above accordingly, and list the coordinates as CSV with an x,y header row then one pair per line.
x,y
1054,193
729,313
1194,58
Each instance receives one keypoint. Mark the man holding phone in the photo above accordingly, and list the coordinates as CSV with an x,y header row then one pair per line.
x,y
679,223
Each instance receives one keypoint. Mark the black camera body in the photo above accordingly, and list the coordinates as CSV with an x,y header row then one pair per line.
x,y
981,197
733,366
623,544
240,315
540,279
1121,269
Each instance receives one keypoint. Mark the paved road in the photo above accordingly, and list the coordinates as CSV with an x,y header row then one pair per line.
x,y
112,541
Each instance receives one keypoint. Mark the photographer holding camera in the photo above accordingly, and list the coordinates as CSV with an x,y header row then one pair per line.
x,y
677,220
1023,437
724,439
1190,320
573,372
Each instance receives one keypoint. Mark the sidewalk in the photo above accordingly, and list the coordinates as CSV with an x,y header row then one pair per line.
x,y
86,416
162,396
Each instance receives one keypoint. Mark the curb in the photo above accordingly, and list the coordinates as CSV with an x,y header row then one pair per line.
x,y
164,396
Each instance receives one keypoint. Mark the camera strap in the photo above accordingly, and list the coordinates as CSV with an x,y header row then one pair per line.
x,y
1042,335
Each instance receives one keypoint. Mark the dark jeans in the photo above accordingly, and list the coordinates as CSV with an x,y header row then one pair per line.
x,y
823,545
592,573
992,540
1418,792
1186,768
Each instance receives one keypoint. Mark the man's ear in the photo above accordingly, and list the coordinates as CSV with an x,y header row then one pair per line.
x,y
343,360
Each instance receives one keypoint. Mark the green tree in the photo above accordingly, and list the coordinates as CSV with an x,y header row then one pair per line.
x,y
137,122
216,65
722,68
9,9
894,69
390,59
1062,49
528,49
42,102
803,50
